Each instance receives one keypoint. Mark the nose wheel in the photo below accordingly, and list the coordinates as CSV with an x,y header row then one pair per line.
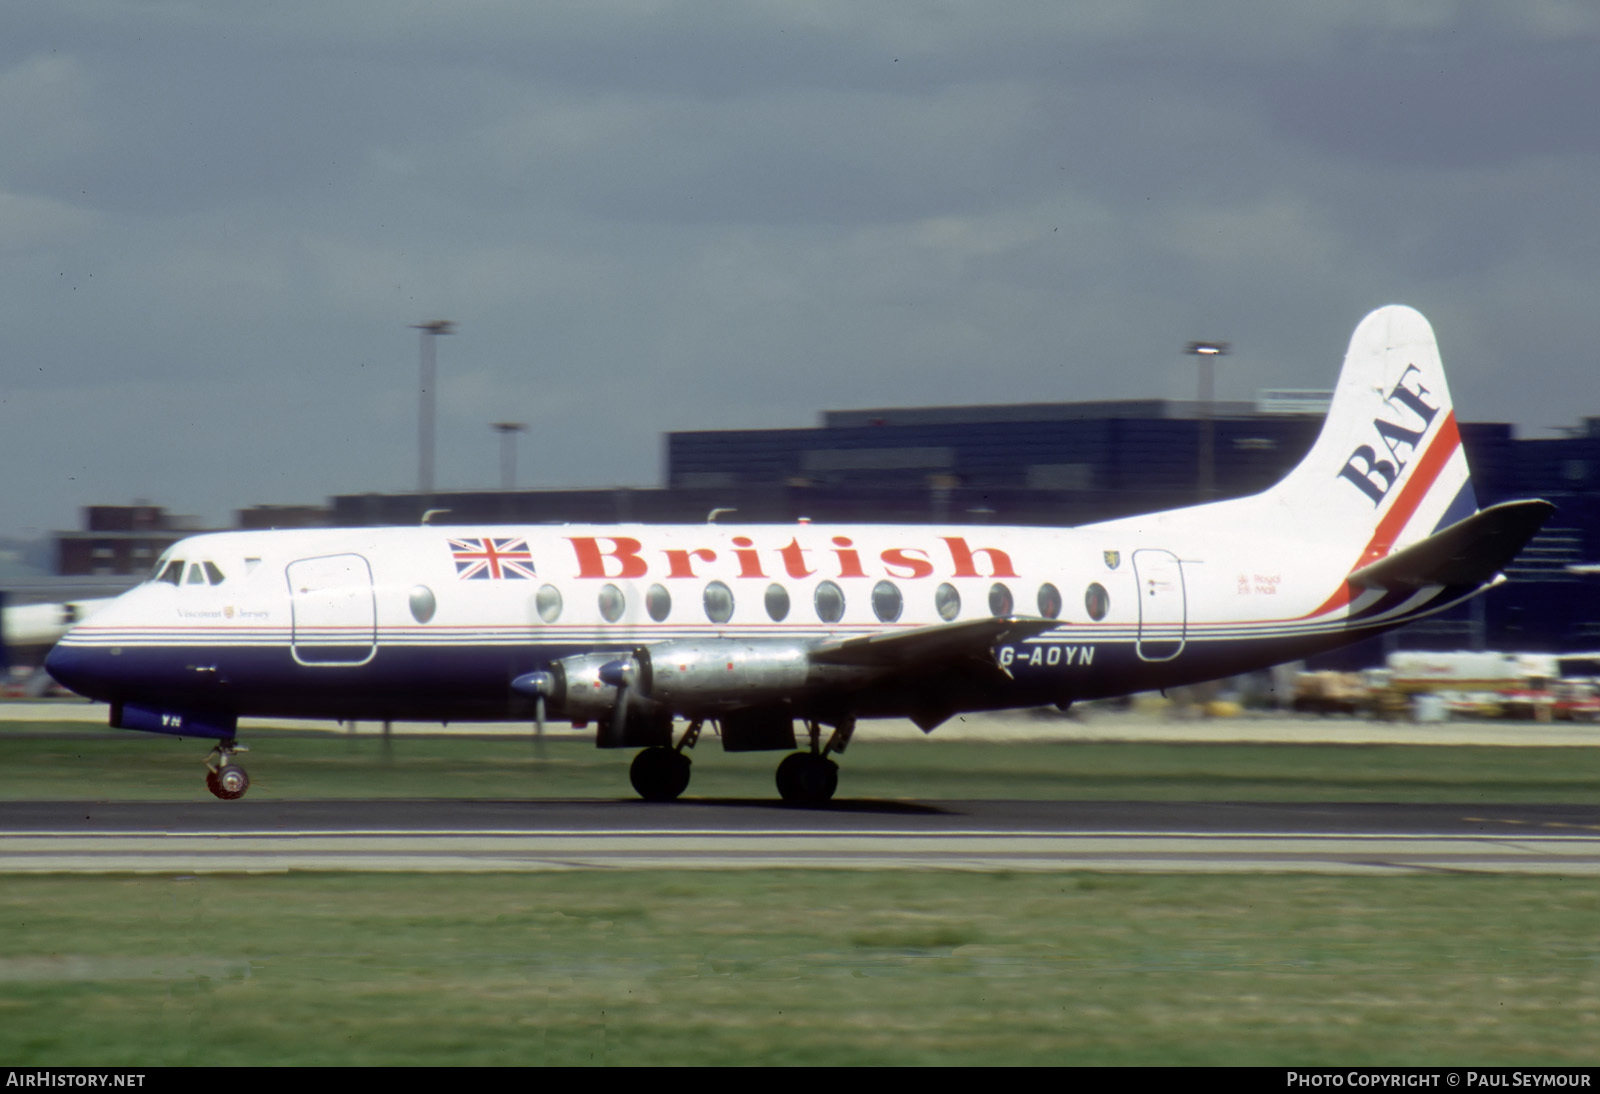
x,y
225,778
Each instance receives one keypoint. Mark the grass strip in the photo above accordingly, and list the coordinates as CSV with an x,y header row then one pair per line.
x,y
806,967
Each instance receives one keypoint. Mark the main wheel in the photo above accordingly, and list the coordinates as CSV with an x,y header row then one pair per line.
x,y
228,782
807,779
659,774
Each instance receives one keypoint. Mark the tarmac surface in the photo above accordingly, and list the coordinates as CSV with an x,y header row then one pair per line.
x,y
532,836
694,833
1147,722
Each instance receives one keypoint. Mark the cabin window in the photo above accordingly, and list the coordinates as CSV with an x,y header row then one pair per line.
x,y
1049,601
719,602
829,602
948,601
1000,602
777,602
658,602
423,604
1097,601
547,602
886,601
612,603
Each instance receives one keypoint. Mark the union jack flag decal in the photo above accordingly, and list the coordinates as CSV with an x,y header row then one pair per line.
x,y
492,559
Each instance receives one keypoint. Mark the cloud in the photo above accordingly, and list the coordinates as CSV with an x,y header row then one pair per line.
x,y
218,223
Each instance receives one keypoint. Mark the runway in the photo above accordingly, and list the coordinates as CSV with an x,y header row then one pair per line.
x,y
534,836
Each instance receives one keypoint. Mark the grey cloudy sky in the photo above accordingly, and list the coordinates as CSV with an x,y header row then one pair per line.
x,y
217,221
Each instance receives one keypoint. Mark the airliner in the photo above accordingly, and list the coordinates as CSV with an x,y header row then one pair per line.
x,y
782,636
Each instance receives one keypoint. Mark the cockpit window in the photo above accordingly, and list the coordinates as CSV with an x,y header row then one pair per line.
x,y
173,572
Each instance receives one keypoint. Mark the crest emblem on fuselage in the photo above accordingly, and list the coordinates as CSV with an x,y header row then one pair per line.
x,y
1113,559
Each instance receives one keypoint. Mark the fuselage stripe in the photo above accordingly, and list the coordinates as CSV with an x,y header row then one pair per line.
x,y
1423,475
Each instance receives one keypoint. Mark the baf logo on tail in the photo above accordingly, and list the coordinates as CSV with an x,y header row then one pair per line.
x,y
1375,476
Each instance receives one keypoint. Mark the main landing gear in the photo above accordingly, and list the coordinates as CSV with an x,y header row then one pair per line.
x,y
224,778
805,778
661,773
810,778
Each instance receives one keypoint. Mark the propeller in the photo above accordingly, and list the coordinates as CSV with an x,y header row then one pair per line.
x,y
621,674
631,677
539,685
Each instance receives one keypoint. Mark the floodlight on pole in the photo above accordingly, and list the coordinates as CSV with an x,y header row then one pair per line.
x,y
430,332
1207,352
508,450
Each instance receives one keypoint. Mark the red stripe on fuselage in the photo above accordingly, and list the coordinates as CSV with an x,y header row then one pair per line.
x,y
1424,473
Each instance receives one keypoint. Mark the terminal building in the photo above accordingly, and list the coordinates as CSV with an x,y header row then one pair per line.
x,y
1035,464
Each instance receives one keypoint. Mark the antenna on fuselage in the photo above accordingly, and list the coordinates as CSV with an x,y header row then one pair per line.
x,y
427,517
711,517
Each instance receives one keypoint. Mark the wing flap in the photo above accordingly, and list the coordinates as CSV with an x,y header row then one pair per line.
x,y
1470,552
942,642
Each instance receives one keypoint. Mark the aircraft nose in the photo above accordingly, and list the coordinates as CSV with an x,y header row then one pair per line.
x,y
80,669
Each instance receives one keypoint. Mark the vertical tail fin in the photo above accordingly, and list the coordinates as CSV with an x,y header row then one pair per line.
x,y
1388,469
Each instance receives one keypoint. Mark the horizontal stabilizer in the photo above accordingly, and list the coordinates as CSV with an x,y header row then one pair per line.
x,y
1469,552
940,642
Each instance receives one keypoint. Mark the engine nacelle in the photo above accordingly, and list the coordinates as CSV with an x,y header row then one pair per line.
x,y
702,676
577,692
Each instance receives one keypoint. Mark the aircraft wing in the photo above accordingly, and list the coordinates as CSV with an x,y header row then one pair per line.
x,y
1469,552
942,642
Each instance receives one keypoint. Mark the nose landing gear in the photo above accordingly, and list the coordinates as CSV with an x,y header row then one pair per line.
x,y
224,778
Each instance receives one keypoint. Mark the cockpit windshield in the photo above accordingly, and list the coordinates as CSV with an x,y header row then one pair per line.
x,y
204,572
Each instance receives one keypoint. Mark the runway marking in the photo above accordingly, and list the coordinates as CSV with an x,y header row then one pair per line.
x,y
780,833
1532,824
486,850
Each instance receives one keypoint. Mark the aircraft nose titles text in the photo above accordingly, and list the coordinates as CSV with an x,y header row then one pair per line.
x,y
1373,476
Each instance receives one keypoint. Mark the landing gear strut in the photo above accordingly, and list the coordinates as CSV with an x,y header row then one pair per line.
x,y
661,773
810,778
224,778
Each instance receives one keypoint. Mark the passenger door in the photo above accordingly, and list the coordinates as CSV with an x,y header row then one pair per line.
x,y
1163,607
335,614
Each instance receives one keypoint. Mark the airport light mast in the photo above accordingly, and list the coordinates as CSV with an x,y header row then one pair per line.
x,y
1208,352
429,337
508,450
